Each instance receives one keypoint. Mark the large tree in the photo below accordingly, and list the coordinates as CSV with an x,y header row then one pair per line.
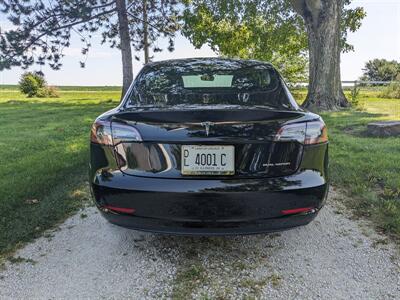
x,y
324,24
281,31
43,29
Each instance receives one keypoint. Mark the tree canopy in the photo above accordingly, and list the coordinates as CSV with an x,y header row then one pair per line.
x,y
43,29
269,30
263,30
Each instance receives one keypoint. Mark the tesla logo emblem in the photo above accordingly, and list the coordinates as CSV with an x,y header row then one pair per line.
x,y
207,126
206,98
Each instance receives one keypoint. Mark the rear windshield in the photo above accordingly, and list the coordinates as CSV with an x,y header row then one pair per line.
x,y
207,84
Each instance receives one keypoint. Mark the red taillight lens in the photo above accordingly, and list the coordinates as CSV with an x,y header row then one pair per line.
x,y
306,133
297,210
101,133
105,133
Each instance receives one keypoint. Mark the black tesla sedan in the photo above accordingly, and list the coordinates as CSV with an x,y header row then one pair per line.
x,y
209,146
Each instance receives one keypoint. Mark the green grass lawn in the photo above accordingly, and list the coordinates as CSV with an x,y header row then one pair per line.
x,y
44,159
367,168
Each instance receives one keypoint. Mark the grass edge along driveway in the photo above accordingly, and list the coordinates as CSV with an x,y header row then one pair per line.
x,y
44,159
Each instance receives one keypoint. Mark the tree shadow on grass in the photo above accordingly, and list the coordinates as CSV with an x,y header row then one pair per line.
x,y
59,102
352,122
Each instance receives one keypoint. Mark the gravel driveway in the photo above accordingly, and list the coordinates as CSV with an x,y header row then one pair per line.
x,y
332,258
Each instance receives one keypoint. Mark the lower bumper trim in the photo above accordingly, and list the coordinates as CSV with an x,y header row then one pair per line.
x,y
210,228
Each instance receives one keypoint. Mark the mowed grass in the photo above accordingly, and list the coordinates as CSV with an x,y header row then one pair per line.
x,y
44,159
368,168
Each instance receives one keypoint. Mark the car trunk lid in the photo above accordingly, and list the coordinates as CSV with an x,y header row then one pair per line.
x,y
251,131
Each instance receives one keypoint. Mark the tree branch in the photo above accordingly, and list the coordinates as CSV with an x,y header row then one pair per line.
x,y
31,43
148,23
314,7
299,6
59,15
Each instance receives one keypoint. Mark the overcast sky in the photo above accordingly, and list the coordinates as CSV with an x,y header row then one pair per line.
x,y
379,37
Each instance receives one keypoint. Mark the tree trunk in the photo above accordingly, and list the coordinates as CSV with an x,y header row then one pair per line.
x,y
125,45
145,33
322,19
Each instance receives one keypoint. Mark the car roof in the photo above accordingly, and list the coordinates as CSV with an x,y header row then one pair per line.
x,y
209,61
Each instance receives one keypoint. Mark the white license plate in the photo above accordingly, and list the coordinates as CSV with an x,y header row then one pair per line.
x,y
207,160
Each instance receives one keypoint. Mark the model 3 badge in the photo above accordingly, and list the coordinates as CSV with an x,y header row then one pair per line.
x,y
207,126
277,164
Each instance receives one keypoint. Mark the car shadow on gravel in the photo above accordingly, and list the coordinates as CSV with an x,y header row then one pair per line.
x,y
221,267
213,266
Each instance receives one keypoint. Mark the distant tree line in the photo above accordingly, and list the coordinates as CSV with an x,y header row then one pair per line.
x,y
381,70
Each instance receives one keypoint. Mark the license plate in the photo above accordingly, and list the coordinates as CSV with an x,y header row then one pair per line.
x,y
207,160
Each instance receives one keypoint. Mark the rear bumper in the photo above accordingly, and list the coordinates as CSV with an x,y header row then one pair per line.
x,y
208,228
209,207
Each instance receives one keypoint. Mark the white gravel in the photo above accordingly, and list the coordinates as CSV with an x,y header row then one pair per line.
x,y
87,258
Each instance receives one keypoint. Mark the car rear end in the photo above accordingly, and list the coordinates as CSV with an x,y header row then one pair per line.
x,y
209,169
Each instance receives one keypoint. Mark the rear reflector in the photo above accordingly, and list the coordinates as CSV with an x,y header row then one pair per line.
x,y
123,210
297,210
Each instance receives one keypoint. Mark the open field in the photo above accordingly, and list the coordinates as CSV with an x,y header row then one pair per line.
x,y
14,88
44,157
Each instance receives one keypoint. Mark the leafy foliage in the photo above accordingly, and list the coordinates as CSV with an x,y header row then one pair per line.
x,y
44,28
263,30
31,82
354,95
266,30
48,92
381,70
350,22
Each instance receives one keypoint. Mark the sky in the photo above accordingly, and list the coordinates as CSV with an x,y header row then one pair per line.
x,y
378,37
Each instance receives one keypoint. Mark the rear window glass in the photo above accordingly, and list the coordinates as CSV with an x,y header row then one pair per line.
x,y
220,82
205,80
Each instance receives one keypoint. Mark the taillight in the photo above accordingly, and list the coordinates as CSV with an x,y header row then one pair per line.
x,y
307,133
105,133
291,132
124,133
316,133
